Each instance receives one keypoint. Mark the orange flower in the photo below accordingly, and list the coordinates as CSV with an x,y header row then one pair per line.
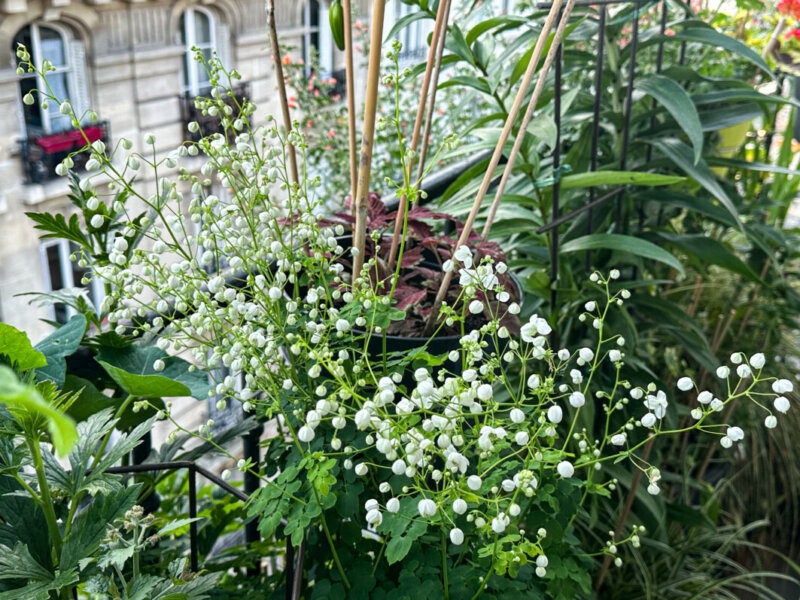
x,y
287,60
669,31
331,133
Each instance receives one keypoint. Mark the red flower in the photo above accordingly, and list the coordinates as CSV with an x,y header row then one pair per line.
x,y
793,33
789,7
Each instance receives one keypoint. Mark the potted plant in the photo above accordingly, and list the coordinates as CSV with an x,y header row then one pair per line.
x,y
453,472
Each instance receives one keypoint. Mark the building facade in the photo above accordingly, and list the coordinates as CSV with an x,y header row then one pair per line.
x,y
132,63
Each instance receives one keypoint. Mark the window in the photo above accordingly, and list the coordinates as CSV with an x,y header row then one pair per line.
x,y
55,44
317,39
197,30
60,273
413,36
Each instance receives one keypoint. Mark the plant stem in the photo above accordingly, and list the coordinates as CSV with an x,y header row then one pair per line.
x,y
368,136
46,499
488,573
330,542
444,564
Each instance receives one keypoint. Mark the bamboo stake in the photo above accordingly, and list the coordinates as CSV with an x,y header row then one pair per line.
x,y
441,23
368,135
498,152
537,91
434,85
276,56
351,103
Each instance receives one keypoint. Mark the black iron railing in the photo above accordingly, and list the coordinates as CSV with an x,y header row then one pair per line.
x,y
209,124
42,152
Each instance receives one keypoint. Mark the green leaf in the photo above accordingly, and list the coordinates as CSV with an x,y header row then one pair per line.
x,y
710,251
17,563
175,525
132,369
718,97
89,528
456,43
622,243
17,347
62,342
17,395
478,83
404,22
597,178
57,227
676,100
681,155
505,21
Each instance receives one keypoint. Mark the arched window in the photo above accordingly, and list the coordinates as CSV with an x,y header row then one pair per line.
x,y
197,30
67,81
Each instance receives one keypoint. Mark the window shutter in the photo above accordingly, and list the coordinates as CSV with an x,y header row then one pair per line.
x,y
80,99
222,38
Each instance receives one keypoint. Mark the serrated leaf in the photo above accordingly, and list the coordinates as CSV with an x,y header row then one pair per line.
x,y
90,526
175,525
56,226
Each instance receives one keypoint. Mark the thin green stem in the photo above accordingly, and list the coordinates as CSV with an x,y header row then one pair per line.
x,y
331,544
46,500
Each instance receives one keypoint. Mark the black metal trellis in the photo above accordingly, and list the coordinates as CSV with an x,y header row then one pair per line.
x,y
292,580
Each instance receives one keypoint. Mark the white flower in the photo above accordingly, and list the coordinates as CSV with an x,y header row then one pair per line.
x,y
361,469
448,266
577,399
97,221
653,489
648,420
565,469
399,466
590,306
534,381
723,372
305,434
614,355
474,483
618,439
563,354
637,393
726,442
158,365
426,507
737,358
541,561
456,536
499,523
484,392
555,414
771,422
757,361
342,325
585,355
541,571
743,371
735,433
475,307
514,510
696,414
459,506
225,475
464,256
516,415
362,419
705,397
614,274
685,384
781,404
374,517
782,386
521,438
657,404
393,505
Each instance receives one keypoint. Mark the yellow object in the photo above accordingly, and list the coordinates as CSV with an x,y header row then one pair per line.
x,y
730,140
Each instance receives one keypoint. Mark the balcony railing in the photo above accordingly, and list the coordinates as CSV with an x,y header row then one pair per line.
x,y
209,124
41,152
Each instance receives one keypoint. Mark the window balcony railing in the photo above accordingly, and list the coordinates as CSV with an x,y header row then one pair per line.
x,y
209,124
42,152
